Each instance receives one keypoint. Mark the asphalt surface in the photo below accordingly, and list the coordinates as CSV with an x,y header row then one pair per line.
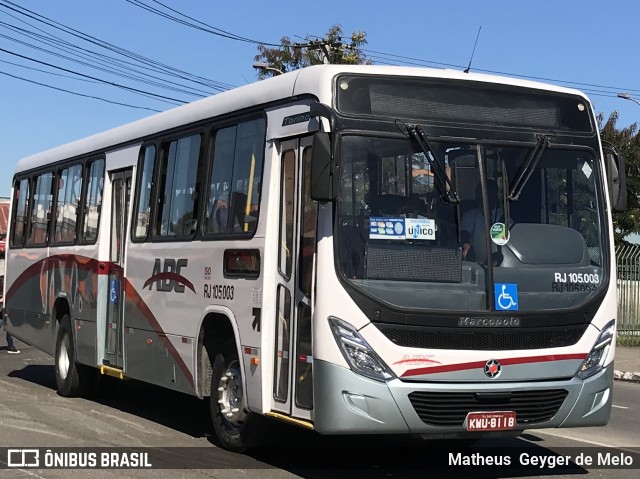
x,y
135,416
627,360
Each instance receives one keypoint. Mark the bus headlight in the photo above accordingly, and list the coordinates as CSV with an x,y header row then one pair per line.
x,y
599,353
359,355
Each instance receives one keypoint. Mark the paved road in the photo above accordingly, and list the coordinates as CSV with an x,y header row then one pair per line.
x,y
136,415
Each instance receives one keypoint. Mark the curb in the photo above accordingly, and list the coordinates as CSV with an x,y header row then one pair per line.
x,y
627,376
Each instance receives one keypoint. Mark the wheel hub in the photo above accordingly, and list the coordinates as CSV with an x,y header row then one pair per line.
x,y
231,395
63,358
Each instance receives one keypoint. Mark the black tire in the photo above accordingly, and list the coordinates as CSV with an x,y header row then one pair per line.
x,y
237,429
72,379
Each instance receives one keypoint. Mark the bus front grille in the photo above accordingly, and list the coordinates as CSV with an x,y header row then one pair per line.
x,y
451,408
477,339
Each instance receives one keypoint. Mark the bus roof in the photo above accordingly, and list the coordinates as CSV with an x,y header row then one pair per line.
x,y
315,80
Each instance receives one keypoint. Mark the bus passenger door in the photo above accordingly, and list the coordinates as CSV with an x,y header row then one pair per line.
x,y
120,198
293,362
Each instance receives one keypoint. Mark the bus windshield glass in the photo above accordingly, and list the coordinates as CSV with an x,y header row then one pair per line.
x,y
403,242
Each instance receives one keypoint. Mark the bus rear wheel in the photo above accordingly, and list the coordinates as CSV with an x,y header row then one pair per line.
x,y
71,377
235,427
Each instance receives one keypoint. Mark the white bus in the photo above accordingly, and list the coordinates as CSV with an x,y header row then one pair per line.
x,y
353,249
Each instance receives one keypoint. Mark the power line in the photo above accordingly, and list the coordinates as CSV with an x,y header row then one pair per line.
x,y
113,67
206,24
48,72
166,69
117,85
612,88
422,62
77,94
381,57
91,55
202,27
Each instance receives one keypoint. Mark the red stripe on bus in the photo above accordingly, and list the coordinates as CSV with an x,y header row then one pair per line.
x,y
417,360
169,275
106,267
447,368
85,263
44,265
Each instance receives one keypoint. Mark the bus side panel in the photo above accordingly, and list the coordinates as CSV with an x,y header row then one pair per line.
x,y
73,285
83,299
139,353
66,277
28,297
153,357
163,316
159,325
86,342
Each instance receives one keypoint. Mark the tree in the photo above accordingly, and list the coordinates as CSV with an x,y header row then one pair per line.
x,y
291,56
627,142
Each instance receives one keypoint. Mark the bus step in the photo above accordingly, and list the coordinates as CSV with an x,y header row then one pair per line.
x,y
291,420
110,371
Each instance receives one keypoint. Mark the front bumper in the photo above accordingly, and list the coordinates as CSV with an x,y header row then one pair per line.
x,y
347,403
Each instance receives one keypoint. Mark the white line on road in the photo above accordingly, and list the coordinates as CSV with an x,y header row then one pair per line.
x,y
586,441
619,407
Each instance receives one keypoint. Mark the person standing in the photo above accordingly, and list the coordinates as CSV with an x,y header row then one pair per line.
x,y
11,349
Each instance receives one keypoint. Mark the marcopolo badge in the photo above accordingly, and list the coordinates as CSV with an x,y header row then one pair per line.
x,y
499,234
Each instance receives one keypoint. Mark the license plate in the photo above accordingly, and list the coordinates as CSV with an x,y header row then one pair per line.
x,y
491,421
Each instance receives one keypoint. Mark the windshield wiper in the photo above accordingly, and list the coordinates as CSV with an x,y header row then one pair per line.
x,y
442,181
529,165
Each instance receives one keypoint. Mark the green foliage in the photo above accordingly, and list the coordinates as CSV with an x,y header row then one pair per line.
x,y
627,141
628,341
292,56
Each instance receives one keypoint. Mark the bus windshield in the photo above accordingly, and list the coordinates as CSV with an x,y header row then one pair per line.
x,y
402,241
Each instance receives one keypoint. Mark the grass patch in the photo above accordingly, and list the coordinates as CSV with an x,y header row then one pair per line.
x,y
628,341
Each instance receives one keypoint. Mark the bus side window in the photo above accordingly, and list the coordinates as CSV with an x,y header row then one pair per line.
x,y
217,214
308,236
41,210
177,213
287,199
236,175
69,188
93,201
21,212
247,174
143,209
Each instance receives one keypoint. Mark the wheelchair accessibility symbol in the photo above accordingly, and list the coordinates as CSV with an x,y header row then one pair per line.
x,y
506,297
113,291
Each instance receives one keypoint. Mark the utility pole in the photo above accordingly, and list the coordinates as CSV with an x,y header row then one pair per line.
x,y
325,48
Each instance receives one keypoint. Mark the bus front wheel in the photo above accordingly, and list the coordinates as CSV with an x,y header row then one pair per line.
x,y
69,377
235,427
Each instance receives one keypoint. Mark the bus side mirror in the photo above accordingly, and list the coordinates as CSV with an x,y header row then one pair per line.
x,y
323,181
616,180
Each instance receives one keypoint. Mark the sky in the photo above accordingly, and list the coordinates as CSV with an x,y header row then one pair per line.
x,y
586,44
